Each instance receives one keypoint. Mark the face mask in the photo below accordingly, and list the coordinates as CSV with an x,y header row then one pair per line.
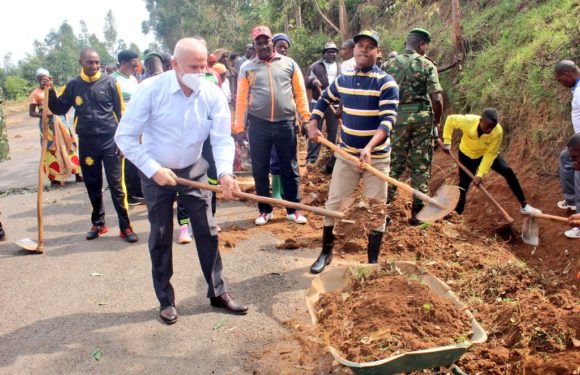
x,y
192,80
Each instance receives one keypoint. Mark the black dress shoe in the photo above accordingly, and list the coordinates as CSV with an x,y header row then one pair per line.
x,y
169,314
135,201
227,302
96,231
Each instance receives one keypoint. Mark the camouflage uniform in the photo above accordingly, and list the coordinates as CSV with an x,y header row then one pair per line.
x,y
4,147
412,136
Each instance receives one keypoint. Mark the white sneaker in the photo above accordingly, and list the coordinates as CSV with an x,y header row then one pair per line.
x,y
264,218
184,235
527,210
573,233
565,206
297,217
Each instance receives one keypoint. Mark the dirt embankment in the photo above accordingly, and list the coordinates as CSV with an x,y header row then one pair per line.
x,y
526,300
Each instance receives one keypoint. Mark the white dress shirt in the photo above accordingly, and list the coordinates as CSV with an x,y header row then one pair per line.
x,y
173,126
576,107
347,66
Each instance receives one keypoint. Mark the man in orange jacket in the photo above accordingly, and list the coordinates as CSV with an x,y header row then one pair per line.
x,y
267,87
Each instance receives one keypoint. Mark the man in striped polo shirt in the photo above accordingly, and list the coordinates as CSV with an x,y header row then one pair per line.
x,y
369,97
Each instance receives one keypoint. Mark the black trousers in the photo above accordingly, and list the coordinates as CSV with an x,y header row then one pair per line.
x,y
207,154
197,204
132,179
499,165
96,153
313,149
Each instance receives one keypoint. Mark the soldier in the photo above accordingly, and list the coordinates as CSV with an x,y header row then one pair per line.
x,y
420,108
4,147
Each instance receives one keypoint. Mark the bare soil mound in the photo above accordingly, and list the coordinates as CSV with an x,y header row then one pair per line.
x,y
365,326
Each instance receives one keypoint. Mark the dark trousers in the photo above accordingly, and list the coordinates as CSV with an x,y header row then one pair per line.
x,y
197,204
132,179
499,165
331,130
282,134
94,153
207,154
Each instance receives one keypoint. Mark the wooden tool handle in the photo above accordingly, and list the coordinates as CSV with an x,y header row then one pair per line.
x,y
257,198
39,213
381,175
503,212
549,217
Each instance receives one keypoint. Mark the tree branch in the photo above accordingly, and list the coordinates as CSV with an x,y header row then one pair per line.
x,y
325,18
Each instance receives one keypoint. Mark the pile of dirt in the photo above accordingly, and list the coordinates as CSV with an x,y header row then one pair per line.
x,y
362,216
314,186
383,314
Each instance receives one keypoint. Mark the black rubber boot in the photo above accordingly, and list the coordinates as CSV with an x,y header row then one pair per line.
x,y
414,211
325,256
374,247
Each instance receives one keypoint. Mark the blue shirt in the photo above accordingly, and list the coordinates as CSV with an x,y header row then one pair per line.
x,y
174,126
369,98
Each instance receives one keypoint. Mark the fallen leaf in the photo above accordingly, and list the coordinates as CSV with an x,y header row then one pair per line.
x,y
219,324
97,354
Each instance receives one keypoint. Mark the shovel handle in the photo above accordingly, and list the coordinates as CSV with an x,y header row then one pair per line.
x,y
503,212
257,198
379,174
549,217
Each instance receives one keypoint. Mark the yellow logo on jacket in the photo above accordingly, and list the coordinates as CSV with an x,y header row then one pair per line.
x,y
89,161
78,101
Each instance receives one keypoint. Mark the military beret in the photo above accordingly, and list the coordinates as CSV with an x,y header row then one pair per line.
x,y
368,34
151,54
422,33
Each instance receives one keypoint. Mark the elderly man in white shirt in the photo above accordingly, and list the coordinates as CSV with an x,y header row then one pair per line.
x,y
175,112
567,74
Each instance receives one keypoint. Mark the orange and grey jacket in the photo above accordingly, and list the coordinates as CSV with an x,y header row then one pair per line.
x,y
266,89
98,103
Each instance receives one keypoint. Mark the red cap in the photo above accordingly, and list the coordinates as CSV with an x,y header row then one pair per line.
x,y
261,30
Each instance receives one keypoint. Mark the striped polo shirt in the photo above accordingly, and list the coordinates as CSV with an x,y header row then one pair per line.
x,y
369,98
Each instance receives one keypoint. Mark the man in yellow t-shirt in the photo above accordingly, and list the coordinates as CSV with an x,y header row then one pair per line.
x,y
479,152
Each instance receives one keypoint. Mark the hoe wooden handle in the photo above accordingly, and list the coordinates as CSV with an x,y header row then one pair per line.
x,y
257,198
379,174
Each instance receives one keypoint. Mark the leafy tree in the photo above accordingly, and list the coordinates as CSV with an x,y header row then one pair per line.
x,y
16,87
110,32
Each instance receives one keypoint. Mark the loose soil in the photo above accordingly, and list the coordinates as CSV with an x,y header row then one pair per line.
x,y
365,326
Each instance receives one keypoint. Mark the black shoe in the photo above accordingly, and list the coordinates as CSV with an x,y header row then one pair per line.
x,y
226,301
96,231
325,256
374,246
169,314
79,178
135,201
128,235
414,211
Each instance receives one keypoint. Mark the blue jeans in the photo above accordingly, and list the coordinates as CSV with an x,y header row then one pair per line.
x,y
263,135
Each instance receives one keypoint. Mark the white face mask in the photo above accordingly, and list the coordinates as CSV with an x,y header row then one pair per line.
x,y
192,80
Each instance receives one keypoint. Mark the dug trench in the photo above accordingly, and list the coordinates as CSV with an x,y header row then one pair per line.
x,y
526,299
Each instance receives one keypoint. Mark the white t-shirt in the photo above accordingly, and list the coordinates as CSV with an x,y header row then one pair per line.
x,y
576,107
347,66
128,84
331,70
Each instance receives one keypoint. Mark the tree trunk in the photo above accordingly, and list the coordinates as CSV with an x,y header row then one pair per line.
x,y
457,28
286,24
298,14
343,20
328,21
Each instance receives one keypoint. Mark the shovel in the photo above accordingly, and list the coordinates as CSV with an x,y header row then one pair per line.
x,y
503,212
257,198
438,207
26,243
530,228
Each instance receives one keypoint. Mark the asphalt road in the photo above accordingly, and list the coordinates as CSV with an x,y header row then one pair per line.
x,y
59,310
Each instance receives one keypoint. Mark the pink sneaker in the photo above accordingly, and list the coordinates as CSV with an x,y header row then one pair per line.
x,y
184,235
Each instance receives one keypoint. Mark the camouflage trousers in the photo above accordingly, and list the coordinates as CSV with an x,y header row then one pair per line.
x,y
4,147
412,147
